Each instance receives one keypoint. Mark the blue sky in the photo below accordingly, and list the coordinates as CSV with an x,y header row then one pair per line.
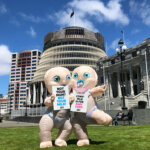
x,y
24,23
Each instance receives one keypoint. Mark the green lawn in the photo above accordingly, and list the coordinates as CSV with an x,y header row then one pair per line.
x,y
102,138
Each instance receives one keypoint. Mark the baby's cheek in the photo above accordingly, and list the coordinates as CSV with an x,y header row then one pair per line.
x,y
53,83
74,83
90,83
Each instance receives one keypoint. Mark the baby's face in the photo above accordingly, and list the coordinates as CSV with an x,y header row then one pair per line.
x,y
84,76
58,76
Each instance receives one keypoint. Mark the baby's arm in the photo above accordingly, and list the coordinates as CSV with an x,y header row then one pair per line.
x,y
97,91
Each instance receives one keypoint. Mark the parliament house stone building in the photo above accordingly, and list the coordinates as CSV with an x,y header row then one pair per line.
x,y
74,46
135,73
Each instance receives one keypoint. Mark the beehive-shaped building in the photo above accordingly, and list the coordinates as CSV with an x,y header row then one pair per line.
x,y
69,47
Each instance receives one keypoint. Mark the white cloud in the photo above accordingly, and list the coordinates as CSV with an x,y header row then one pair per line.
x,y
135,31
15,22
31,32
3,9
5,59
114,44
87,12
142,9
31,18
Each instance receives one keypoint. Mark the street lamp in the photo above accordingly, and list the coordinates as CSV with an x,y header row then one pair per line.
x,y
120,53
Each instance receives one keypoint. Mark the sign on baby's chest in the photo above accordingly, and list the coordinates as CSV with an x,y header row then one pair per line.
x,y
80,103
62,97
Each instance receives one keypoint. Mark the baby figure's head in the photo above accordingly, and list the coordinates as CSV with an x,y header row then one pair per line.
x,y
58,76
84,77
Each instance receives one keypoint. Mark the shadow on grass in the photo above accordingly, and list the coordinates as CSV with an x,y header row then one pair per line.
x,y
74,142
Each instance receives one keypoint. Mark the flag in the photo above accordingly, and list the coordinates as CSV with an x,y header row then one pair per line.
x,y
71,15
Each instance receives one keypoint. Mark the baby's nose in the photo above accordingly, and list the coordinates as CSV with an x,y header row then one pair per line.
x,y
63,81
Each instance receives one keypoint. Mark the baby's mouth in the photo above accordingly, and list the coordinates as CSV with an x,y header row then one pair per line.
x,y
80,83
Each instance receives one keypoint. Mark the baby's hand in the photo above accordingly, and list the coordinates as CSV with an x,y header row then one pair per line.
x,y
71,98
98,91
49,100
52,97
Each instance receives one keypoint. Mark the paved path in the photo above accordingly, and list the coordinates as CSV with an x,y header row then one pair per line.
x,y
16,123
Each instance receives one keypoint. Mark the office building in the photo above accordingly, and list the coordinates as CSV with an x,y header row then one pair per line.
x,y
23,67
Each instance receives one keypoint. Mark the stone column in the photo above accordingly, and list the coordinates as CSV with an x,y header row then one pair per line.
x,y
34,93
29,95
119,87
107,85
131,81
138,81
41,93
110,86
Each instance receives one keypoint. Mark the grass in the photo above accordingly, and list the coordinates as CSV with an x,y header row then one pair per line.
x,y
102,138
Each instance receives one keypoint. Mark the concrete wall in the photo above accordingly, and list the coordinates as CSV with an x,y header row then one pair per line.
x,y
140,116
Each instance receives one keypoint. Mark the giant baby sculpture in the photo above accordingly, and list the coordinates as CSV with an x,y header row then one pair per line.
x,y
58,76
84,77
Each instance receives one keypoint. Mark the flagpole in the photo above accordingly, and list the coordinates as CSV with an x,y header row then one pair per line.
x,y
74,20
122,31
73,15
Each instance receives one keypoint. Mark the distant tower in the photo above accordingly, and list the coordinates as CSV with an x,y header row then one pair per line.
x,y
69,47
23,67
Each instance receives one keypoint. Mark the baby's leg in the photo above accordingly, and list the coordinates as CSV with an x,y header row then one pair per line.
x,y
64,134
101,117
80,132
46,126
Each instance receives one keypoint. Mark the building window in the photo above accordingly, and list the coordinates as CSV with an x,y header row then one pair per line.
x,y
134,75
34,53
27,78
23,83
33,57
23,91
75,32
13,55
113,61
134,54
22,94
23,88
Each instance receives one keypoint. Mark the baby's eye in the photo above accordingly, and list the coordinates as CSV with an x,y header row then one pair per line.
x,y
75,75
56,78
68,77
86,75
